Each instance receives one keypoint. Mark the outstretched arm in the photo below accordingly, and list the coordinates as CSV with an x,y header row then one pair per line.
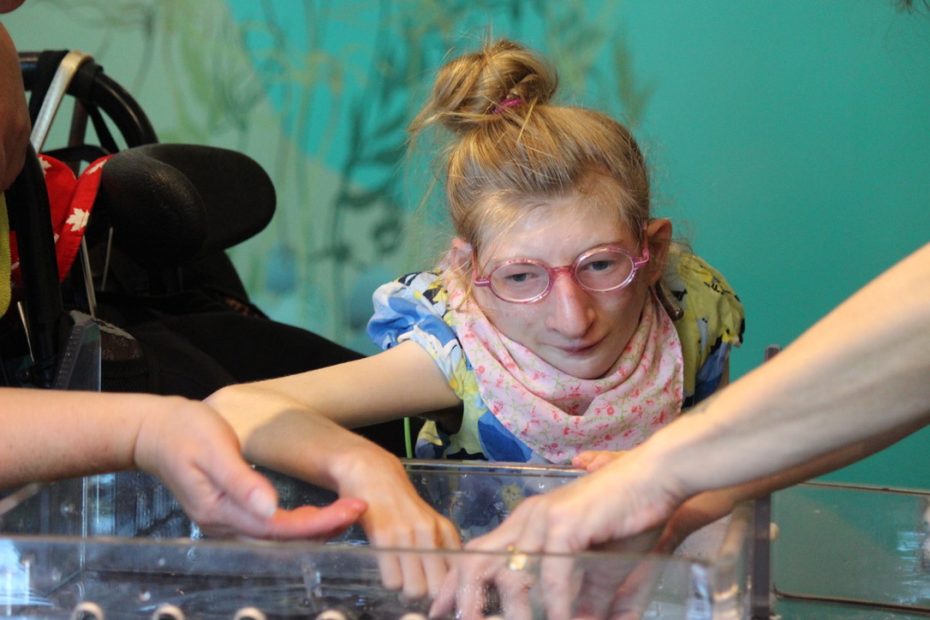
x,y
850,385
294,424
855,381
51,434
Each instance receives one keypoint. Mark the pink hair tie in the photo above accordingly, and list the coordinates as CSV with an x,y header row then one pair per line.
x,y
509,102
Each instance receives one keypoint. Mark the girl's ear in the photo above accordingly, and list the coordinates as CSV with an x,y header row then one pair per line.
x,y
659,238
460,255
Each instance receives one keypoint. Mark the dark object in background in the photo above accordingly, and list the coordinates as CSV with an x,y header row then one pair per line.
x,y
173,313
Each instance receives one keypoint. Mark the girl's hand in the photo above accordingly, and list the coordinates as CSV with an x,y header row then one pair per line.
x,y
592,460
397,517
287,435
696,513
196,454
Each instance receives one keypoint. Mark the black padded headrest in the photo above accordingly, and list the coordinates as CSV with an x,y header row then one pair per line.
x,y
170,203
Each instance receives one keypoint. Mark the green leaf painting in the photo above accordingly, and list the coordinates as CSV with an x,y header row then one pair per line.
x,y
321,94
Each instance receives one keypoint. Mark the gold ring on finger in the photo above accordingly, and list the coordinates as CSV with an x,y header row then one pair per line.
x,y
517,559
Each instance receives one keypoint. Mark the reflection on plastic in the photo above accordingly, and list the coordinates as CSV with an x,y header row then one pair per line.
x,y
126,547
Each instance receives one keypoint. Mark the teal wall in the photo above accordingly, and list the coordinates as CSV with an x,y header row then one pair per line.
x,y
789,140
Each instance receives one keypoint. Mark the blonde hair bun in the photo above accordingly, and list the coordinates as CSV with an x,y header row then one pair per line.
x,y
512,147
501,80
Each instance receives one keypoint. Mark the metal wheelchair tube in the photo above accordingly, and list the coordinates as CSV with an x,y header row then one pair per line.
x,y
93,87
57,91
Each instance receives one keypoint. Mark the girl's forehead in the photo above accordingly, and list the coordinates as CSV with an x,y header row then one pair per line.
x,y
556,230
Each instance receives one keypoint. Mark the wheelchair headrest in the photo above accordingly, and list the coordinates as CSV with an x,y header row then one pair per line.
x,y
170,203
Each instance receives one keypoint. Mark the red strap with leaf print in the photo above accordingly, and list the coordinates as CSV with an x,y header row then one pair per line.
x,y
71,200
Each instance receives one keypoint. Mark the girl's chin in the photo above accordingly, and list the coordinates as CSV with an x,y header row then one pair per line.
x,y
585,369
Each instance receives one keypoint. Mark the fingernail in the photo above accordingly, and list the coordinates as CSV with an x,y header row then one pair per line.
x,y
263,503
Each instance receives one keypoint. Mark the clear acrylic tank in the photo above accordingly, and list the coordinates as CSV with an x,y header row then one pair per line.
x,y
118,546
847,551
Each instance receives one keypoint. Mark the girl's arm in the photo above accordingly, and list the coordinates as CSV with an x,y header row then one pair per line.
x,y
281,422
399,382
294,424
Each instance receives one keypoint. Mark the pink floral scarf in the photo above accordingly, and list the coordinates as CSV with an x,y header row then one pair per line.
x,y
558,415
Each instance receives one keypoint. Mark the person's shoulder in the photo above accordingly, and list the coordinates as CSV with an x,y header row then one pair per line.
x,y
704,296
414,302
420,287
689,272
694,270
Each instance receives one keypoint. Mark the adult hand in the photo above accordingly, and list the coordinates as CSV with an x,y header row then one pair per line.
x,y
624,499
196,454
14,115
398,518
616,585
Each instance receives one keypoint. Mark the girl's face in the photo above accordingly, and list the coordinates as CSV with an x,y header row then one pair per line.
x,y
575,330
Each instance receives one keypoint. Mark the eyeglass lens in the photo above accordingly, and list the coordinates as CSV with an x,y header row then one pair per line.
x,y
602,270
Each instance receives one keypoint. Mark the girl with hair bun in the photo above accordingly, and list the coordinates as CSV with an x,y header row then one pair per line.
x,y
550,316
561,320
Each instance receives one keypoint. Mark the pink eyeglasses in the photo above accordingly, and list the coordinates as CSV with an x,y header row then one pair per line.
x,y
526,280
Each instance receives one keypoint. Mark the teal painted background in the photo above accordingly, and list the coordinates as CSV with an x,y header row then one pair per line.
x,y
789,140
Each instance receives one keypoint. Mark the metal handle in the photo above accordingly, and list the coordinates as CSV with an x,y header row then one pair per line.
x,y
56,93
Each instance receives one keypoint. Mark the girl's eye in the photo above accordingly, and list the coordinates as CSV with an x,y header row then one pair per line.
x,y
600,265
519,275
516,278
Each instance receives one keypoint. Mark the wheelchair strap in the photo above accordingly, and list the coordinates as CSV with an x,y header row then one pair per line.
x,y
100,126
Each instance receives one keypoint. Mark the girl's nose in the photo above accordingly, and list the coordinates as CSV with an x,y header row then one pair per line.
x,y
571,312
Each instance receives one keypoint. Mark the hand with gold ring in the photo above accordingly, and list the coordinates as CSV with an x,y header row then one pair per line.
x,y
588,513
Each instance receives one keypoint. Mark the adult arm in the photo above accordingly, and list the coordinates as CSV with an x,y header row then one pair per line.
x,y
708,506
52,434
848,386
854,381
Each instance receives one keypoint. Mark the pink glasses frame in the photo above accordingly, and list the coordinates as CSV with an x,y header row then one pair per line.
x,y
485,282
